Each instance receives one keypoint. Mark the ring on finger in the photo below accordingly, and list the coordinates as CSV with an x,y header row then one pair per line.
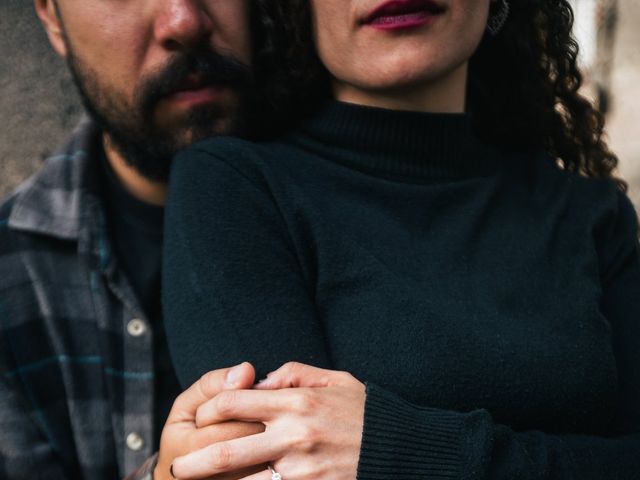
x,y
274,475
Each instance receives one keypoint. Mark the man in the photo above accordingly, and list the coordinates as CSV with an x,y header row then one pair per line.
x,y
86,381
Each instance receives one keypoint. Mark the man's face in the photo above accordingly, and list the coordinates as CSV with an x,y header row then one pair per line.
x,y
158,75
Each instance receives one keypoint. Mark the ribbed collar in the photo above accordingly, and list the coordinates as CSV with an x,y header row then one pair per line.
x,y
399,144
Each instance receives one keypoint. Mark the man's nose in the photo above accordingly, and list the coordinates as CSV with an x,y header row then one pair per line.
x,y
181,24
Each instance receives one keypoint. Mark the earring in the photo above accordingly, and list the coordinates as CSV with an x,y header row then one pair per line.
x,y
499,18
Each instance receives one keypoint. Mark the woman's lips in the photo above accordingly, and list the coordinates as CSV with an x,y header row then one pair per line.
x,y
398,14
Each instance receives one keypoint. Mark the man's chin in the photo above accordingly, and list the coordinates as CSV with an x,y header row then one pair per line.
x,y
198,125
199,120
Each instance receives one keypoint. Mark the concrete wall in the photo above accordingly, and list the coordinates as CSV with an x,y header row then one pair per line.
x,y
38,103
624,123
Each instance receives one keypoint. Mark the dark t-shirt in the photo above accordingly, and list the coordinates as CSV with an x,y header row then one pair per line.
x,y
136,230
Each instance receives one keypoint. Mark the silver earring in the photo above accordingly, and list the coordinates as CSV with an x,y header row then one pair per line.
x,y
499,18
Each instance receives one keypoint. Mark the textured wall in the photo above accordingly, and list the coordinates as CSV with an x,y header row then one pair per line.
x,y
624,123
38,103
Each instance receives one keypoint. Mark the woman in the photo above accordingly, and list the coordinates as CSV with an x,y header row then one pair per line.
x,y
447,231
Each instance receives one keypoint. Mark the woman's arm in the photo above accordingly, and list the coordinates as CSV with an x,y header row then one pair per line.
x,y
402,439
233,288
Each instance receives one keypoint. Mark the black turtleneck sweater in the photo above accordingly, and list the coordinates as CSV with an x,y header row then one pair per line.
x,y
490,300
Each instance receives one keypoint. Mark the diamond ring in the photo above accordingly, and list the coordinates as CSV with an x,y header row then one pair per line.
x,y
274,475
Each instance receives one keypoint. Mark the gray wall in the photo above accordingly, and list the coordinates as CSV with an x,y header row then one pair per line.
x,y
38,102
624,123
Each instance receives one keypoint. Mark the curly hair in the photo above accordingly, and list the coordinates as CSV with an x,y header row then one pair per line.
x,y
524,83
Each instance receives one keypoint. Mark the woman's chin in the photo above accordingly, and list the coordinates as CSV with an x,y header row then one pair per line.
x,y
408,89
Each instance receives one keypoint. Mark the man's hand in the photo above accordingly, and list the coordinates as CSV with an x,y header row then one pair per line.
x,y
313,417
180,435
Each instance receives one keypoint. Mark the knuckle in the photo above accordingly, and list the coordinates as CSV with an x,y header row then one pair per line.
x,y
221,457
307,439
346,377
204,414
208,383
303,402
292,367
226,403
180,400
201,416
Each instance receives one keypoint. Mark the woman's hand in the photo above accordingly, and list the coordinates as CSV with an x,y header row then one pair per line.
x,y
313,421
180,434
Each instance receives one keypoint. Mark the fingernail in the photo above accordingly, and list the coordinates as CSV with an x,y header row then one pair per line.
x,y
233,376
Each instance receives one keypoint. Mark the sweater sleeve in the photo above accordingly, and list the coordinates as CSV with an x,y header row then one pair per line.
x,y
233,288
402,440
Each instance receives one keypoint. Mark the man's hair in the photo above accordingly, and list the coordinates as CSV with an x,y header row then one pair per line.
x,y
523,83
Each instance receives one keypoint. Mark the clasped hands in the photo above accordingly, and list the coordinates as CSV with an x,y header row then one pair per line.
x,y
304,421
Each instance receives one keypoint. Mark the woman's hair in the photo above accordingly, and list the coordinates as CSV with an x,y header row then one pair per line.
x,y
523,83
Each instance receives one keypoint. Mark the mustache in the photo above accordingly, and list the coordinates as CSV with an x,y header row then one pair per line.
x,y
211,68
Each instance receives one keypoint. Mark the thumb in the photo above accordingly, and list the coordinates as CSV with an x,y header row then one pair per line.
x,y
294,375
208,386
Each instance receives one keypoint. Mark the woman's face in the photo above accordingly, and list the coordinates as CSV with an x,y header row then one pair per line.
x,y
415,51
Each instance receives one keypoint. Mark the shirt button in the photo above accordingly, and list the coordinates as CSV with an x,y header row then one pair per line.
x,y
135,442
136,327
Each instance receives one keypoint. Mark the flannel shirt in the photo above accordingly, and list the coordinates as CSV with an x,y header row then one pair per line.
x,y
76,359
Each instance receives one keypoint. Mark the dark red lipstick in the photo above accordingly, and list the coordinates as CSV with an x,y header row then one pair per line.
x,y
401,14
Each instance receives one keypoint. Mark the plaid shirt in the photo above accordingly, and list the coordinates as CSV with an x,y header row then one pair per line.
x,y
76,360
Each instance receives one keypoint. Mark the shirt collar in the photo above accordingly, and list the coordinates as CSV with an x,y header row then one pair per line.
x,y
62,197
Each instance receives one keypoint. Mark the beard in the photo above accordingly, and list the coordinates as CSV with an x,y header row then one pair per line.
x,y
146,143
